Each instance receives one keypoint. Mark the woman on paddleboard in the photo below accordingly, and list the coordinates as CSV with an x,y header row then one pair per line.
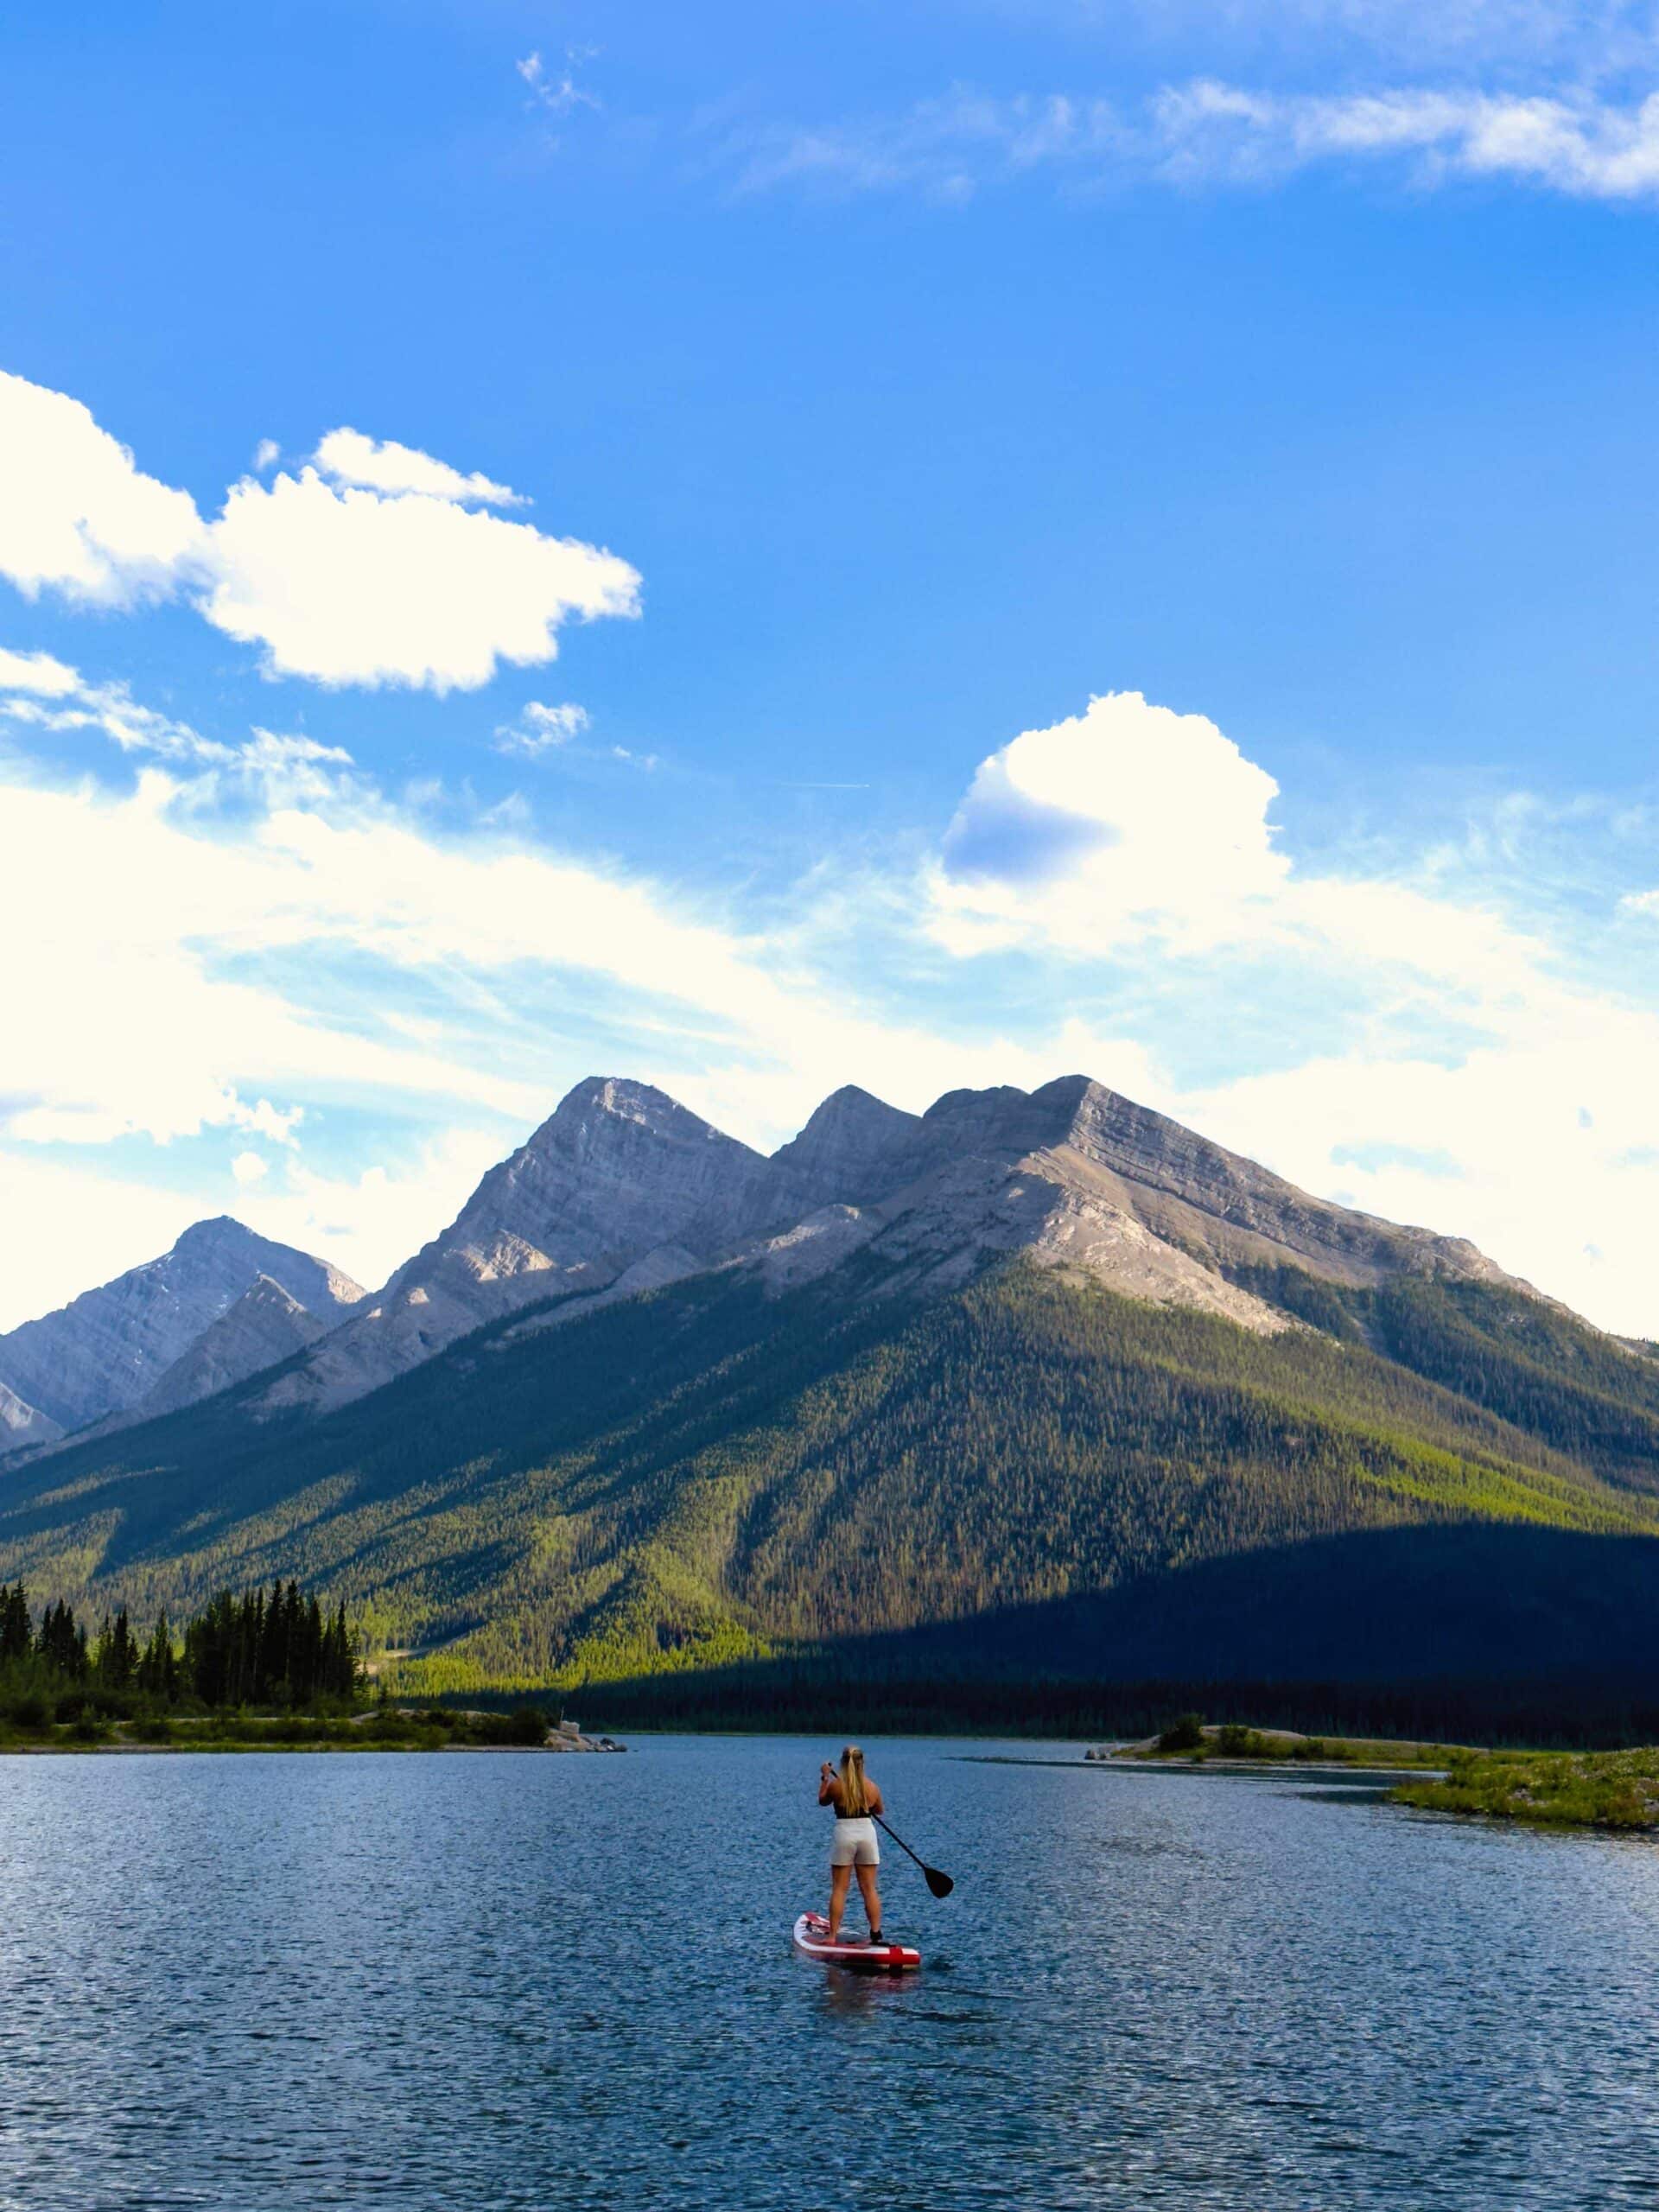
x,y
855,1850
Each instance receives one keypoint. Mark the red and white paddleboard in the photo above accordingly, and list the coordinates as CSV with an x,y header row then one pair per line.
x,y
812,1936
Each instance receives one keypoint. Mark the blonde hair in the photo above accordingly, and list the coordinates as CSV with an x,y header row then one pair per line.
x,y
854,1803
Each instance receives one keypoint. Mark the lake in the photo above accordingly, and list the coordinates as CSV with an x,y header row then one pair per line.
x,y
483,1980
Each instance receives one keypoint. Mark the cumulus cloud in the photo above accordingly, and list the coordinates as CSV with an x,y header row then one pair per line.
x,y
79,517
1125,819
350,457
1393,1041
249,1168
350,585
380,565
327,951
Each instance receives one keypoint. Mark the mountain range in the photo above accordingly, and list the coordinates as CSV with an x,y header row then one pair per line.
x,y
1032,1382
138,1346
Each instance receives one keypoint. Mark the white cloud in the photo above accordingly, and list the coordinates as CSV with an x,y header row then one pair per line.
x,y
1106,825
78,516
540,729
249,1168
1479,1085
311,949
369,1222
111,710
350,587
1581,146
366,1223
1204,131
389,578
284,766
36,673
266,455
350,457
556,90
117,1224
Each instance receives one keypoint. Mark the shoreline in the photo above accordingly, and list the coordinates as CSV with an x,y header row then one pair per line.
x,y
405,1730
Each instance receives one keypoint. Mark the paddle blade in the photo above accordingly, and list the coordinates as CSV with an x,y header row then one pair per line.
x,y
941,1884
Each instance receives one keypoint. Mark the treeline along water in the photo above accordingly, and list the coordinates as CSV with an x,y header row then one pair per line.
x,y
253,1649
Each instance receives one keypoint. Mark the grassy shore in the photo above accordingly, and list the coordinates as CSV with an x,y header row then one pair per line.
x,y
1189,1743
378,1731
1557,1789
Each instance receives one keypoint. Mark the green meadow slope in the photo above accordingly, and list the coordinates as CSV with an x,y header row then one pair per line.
x,y
1032,1469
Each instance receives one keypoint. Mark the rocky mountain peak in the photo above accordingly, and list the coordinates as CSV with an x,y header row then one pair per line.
x,y
219,1232
106,1350
854,1146
605,1113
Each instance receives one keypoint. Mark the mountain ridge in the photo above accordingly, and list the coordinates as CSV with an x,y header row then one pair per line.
x,y
623,1190
654,1401
103,1351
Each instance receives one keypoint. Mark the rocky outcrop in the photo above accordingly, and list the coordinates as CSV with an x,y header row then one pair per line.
x,y
109,1348
264,1327
22,1424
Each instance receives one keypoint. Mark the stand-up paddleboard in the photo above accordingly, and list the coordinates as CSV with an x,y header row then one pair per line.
x,y
812,1936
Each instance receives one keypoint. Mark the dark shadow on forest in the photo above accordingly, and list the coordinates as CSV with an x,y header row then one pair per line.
x,y
1474,1632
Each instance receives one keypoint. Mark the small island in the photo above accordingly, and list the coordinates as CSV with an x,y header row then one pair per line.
x,y
1613,1790
261,1670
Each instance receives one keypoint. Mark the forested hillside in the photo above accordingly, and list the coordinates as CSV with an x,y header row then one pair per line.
x,y
1034,1474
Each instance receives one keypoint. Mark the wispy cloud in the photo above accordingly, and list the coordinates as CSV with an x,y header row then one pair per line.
x,y
540,729
1208,132
554,90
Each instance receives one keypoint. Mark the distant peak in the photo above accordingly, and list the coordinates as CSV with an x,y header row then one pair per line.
x,y
851,1106
217,1229
604,1114
1070,1090
618,1096
854,1145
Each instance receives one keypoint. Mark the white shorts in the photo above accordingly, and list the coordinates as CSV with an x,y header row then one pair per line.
x,y
854,1844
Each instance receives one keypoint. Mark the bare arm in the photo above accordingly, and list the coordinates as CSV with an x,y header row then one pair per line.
x,y
877,1803
826,1784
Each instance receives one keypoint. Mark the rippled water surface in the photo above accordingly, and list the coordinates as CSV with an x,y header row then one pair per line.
x,y
494,1980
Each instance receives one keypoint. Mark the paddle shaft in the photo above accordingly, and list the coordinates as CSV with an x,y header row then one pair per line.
x,y
934,1876
899,1839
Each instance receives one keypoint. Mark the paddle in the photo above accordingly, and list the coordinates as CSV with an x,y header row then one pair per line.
x,y
941,1884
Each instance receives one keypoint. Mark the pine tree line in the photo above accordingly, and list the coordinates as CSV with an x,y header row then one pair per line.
x,y
276,1647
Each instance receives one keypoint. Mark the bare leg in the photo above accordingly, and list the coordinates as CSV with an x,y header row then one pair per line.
x,y
839,1878
871,1895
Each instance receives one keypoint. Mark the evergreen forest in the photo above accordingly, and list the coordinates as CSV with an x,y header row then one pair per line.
x,y
275,1649
1028,1479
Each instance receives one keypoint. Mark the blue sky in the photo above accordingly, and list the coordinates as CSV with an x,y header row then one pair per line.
x,y
772,428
